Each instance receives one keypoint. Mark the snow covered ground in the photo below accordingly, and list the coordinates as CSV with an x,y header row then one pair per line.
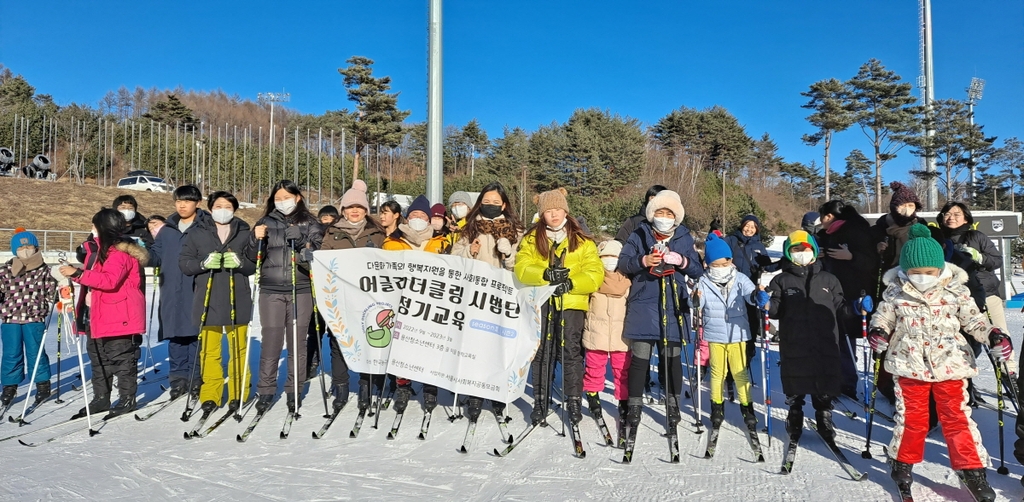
x,y
132,460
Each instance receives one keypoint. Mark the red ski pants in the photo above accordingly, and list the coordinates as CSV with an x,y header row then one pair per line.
x,y
962,437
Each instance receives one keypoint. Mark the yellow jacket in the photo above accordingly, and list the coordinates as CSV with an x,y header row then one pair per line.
x,y
433,245
585,269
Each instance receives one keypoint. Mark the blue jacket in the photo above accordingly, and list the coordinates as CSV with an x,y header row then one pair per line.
x,y
176,288
643,307
725,319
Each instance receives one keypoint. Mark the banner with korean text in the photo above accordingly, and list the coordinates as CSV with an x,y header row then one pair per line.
x,y
453,322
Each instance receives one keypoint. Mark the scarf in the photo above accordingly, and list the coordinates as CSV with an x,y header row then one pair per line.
x,y
498,227
557,236
352,229
18,266
416,238
615,284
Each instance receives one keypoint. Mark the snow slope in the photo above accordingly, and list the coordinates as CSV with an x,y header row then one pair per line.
x,y
132,460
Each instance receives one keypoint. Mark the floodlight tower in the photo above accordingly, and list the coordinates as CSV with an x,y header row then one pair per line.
x,y
272,98
435,105
927,84
974,92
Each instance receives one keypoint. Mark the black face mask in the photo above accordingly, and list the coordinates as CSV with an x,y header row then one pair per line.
x,y
490,211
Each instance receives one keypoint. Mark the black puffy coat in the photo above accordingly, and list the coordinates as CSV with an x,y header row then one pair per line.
x,y
175,287
991,259
198,246
807,301
861,272
276,269
138,231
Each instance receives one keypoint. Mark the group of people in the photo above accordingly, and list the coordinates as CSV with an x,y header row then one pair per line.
x,y
618,300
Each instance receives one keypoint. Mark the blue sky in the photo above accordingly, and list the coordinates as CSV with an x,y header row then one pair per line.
x,y
528,63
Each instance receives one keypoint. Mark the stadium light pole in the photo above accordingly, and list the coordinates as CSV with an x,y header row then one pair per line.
x,y
272,98
435,176
974,92
928,88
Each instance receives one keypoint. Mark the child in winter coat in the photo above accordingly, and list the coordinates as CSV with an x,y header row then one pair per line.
x,y
925,311
27,291
807,300
723,295
602,332
557,252
117,314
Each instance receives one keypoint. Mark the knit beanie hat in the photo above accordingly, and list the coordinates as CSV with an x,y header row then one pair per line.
x,y
552,199
437,210
419,204
23,237
609,247
328,211
902,194
666,199
800,237
810,220
921,250
356,196
462,197
716,248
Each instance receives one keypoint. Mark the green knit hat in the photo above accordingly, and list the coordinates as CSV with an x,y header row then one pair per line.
x,y
921,250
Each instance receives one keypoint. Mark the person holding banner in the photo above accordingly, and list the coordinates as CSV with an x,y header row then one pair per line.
x,y
352,231
658,257
416,232
556,252
491,234
292,233
212,254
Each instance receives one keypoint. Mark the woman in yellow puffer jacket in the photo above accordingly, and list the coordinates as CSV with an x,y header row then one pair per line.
x,y
565,257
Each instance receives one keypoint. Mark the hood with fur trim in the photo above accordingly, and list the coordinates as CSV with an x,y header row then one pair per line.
x,y
135,251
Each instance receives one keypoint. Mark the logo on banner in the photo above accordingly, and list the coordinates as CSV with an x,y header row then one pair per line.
x,y
379,321
997,225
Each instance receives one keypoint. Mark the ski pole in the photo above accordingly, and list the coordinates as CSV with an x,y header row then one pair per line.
x,y
245,385
149,345
867,347
60,331
871,411
85,392
320,345
233,335
295,334
999,410
35,368
699,356
200,347
676,304
559,322
766,377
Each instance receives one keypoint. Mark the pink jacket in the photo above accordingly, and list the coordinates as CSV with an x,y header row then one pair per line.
x,y
118,304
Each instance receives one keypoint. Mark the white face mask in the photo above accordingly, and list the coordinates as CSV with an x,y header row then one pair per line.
x,y
222,216
286,206
906,211
664,224
418,224
24,252
923,282
802,258
561,226
460,211
721,275
610,262
128,214
436,224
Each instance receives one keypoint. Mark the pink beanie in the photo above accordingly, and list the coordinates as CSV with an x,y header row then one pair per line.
x,y
355,196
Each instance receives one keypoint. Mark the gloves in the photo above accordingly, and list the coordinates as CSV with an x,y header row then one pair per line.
x,y
763,260
230,260
973,253
306,255
504,247
865,304
673,258
563,288
292,233
556,275
213,261
879,341
999,345
761,298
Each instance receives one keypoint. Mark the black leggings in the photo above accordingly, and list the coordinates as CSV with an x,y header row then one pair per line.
x,y
641,360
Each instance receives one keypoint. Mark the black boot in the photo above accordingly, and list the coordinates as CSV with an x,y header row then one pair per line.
x,y
340,396
826,428
125,404
717,414
473,408
574,405
42,391
633,415
8,394
264,402
99,404
402,397
429,399
291,402
795,423
747,410
364,395
539,413
234,405
208,407
977,483
672,411
901,472
178,387
594,403
498,407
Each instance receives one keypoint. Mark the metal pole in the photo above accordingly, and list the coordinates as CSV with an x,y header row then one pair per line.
x,y
343,185
932,194
435,123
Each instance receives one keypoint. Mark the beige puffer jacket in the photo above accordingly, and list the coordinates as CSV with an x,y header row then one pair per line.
x,y
488,250
925,340
603,327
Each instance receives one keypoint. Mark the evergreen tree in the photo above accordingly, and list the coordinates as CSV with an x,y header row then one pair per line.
x,y
379,120
830,101
883,108
171,111
953,137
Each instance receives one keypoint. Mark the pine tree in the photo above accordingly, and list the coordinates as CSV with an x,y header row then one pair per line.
x,y
830,102
953,137
379,120
171,111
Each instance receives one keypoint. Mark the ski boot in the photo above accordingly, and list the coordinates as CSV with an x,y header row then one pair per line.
x,y
99,404
291,402
364,395
539,413
429,399
826,428
8,395
633,415
795,423
594,403
340,396
178,387
42,391
264,402
902,472
402,397
977,483
574,405
125,404
473,408
717,414
498,407
747,410
672,411
208,407
234,404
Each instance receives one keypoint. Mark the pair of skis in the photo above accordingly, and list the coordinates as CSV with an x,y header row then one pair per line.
x,y
752,439
792,446
502,420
